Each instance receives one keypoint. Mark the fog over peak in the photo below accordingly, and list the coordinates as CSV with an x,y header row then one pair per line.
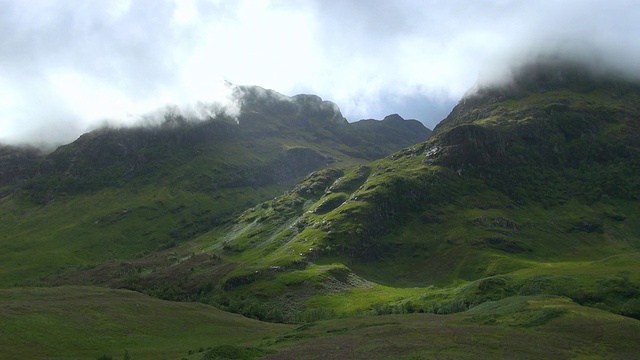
x,y
68,66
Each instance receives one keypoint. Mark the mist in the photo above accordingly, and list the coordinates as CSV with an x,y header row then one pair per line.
x,y
69,66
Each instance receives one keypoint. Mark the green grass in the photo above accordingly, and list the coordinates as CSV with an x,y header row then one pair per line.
x,y
519,327
441,259
86,322
471,245
112,224
405,231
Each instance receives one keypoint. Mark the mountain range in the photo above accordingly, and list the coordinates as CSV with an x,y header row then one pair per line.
x,y
502,233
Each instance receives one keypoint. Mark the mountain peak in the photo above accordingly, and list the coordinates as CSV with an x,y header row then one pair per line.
x,y
254,99
393,117
546,82
540,76
314,105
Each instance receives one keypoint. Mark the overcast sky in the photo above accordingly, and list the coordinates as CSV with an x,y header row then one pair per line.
x,y
67,65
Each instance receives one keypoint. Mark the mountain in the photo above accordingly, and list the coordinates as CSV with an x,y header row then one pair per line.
x,y
274,140
538,174
513,225
391,130
115,193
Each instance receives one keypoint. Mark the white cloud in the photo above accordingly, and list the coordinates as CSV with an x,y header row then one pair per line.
x,y
74,63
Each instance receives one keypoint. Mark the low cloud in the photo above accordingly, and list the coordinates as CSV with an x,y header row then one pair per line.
x,y
68,66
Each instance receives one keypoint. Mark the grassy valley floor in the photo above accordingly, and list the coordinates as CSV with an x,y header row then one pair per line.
x,y
72,322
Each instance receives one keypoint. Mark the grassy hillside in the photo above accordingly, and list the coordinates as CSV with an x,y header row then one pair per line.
x,y
483,211
513,230
118,193
89,322
522,328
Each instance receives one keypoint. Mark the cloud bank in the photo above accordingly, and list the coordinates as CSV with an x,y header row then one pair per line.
x,y
67,66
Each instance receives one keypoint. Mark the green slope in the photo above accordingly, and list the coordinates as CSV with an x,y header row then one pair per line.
x,y
88,322
483,210
520,328
518,218
120,192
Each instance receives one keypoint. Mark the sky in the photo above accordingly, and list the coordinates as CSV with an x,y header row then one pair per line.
x,y
68,66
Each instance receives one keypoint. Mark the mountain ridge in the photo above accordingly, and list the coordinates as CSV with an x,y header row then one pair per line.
x,y
300,122
188,175
519,215
475,201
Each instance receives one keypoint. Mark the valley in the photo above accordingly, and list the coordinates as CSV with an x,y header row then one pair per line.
x,y
510,231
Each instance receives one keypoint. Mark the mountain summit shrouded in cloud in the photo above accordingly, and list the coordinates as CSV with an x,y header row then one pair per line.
x,y
67,66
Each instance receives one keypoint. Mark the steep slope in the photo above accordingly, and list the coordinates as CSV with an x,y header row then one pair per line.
x,y
119,192
531,192
17,165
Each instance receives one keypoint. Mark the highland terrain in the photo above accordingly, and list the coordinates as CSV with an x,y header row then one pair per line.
x,y
510,231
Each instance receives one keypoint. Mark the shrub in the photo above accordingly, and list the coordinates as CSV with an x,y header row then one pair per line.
x,y
632,308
